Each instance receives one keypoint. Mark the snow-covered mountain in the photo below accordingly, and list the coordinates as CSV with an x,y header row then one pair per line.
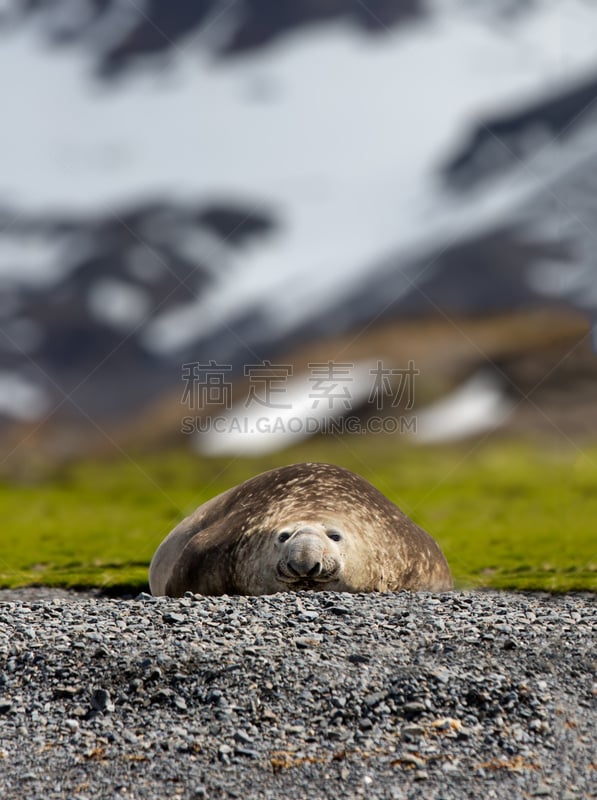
x,y
229,178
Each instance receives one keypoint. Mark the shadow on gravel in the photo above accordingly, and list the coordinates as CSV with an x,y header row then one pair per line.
x,y
34,593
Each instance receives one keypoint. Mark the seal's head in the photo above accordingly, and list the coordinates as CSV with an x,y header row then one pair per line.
x,y
309,556
308,553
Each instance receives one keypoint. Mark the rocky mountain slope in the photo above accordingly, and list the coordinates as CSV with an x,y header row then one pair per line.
x,y
237,181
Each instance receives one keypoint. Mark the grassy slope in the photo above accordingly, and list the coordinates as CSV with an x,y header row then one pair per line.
x,y
506,515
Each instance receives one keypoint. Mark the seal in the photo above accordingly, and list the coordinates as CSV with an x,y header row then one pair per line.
x,y
305,526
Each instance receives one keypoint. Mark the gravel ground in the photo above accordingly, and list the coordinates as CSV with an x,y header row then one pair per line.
x,y
467,694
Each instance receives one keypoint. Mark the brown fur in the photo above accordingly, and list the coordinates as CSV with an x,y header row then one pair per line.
x,y
230,544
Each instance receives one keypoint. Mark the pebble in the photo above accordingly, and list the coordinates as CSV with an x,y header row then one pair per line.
x,y
101,701
467,694
176,619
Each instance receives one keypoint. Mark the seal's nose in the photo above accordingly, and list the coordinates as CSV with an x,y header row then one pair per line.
x,y
304,568
305,554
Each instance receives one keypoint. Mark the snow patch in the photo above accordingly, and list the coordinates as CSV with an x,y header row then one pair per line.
x,y
119,304
479,405
255,429
20,398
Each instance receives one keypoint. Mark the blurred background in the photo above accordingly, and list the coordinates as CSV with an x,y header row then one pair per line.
x,y
353,182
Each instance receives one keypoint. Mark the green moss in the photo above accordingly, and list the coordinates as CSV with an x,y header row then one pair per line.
x,y
507,515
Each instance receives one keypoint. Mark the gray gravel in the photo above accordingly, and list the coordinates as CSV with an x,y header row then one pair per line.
x,y
299,696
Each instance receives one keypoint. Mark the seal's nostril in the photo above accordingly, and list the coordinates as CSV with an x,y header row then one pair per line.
x,y
315,570
304,569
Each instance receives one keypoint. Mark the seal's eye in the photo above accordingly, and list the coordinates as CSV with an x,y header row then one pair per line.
x,y
335,536
284,536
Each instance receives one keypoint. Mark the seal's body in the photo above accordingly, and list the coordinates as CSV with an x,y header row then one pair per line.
x,y
305,526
